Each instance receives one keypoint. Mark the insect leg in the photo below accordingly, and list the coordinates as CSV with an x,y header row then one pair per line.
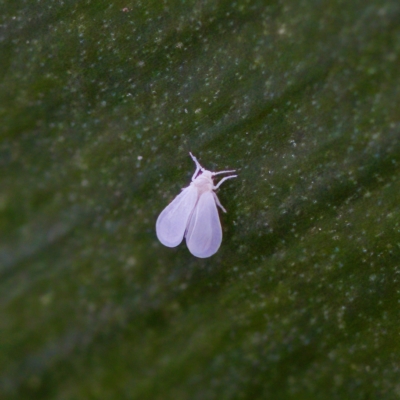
x,y
223,172
223,180
218,202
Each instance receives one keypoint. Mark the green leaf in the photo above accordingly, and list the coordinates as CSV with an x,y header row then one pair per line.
x,y
100,104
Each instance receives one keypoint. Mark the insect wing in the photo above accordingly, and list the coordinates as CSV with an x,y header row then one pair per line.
x,y
204,234
172,222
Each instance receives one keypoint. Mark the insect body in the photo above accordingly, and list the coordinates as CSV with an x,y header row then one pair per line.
x,y
193,214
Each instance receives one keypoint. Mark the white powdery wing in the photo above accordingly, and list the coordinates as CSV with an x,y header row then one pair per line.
x,y
172,222
204,234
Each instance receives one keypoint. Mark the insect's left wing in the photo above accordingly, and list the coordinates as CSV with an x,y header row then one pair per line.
x,y
172,222
204,234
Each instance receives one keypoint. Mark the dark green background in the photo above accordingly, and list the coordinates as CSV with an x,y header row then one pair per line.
x,y
99,107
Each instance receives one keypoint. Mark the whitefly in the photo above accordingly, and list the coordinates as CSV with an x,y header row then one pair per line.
x,y
193,214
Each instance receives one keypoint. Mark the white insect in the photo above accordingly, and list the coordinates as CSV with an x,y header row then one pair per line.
x,y
193,214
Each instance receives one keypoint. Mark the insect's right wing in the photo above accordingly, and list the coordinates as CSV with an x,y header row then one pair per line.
x,y
172,222
204,235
